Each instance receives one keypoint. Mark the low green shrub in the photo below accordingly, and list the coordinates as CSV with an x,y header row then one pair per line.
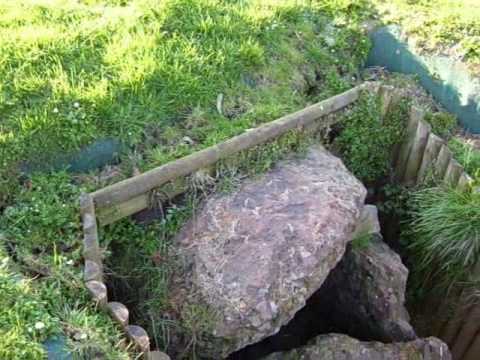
x,y
366,141
444,234
443,124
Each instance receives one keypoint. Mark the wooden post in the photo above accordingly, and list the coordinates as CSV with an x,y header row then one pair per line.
x,y
453,173
443,159
467,333
401,165
450,332
434,144
386,94
416,152
464,181
134,187
473,352
91,247
167,192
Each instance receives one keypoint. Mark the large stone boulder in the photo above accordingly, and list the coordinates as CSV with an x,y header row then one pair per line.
x,y
365,293
254,256
343,347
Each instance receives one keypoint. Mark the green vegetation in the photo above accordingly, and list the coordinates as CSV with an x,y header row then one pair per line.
x,y
167,78
467,155
444,234
449,26
361,242
150,72
24,320
366,141
443,124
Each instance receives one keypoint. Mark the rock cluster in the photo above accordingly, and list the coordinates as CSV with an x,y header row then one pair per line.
x,y
253,257
343,347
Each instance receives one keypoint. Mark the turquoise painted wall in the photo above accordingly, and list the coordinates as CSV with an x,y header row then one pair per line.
x,y
448,81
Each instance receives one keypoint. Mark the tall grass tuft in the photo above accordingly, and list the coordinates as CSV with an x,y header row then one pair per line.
x,y
445,233
466,154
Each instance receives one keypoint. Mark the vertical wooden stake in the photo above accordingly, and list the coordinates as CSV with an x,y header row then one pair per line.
x,y
443,159
91,247
416,152
401,165
453,173
434,144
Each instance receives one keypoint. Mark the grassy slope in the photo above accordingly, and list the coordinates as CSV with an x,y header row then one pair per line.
x,y
149,74
448,26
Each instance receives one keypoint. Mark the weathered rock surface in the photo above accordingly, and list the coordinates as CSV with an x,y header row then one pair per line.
x,y
256,255
342,347
366,291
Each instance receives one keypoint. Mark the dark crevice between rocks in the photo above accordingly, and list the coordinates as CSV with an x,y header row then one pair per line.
x,y
321,315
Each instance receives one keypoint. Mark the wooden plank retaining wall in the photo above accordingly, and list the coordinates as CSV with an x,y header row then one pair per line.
x,y
422,153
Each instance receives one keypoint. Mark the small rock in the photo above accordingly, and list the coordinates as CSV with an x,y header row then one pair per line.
x,y
342,347
188,140
139,337
365,294
98,291
157,355
92,271
119,312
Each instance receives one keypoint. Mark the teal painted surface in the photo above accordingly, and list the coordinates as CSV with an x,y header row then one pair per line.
x,y
56,348
94,156
448,81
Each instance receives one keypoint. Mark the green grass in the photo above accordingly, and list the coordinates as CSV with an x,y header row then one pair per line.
x,y
148,73
439,25
143,72
467,155
444,235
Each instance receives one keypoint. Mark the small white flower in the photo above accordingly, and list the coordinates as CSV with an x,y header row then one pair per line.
x,y
55,110
69,262
76,104
39,325
29,329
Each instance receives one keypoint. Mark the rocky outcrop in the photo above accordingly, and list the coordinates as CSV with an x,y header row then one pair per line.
x,y
342,347
253,257
365,293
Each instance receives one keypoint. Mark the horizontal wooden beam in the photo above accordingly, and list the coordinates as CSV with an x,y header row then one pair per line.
x,y
109,215
133,187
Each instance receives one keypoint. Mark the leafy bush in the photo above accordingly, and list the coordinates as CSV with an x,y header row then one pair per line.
x,y
443,124
367,140
445,233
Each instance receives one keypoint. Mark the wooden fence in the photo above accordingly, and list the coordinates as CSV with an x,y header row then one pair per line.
x,y
421,154
132,195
